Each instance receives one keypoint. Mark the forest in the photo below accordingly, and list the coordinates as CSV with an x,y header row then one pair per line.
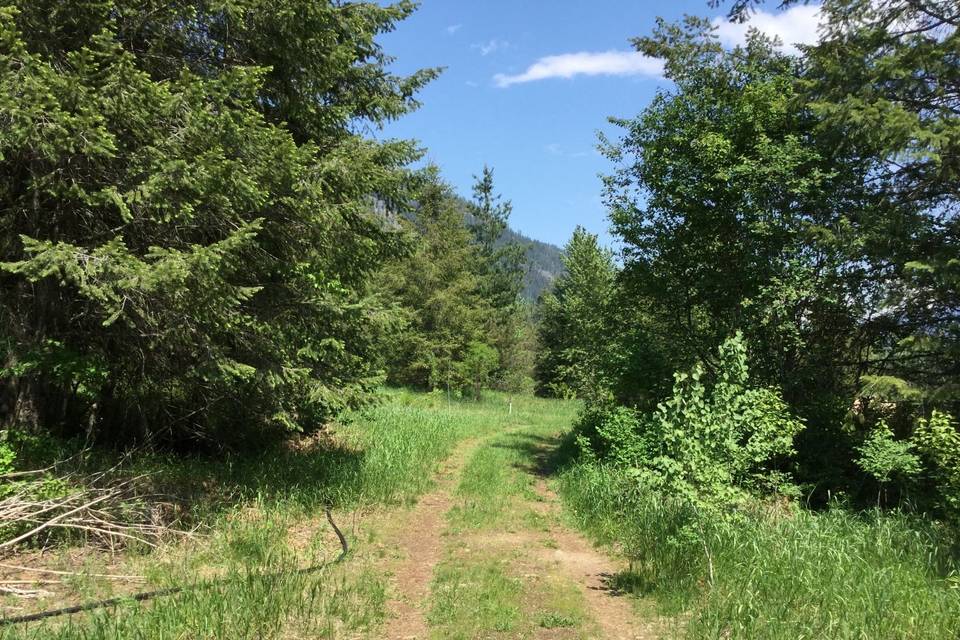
x,y
229,313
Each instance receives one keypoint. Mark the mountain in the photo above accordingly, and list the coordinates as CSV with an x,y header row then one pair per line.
x,y
543,259
543,264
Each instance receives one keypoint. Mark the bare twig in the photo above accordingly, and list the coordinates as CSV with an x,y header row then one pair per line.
x,y
55,572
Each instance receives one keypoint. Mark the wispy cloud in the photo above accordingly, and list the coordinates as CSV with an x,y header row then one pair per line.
x,y
491,46
796,25
556,149
452,29
587,63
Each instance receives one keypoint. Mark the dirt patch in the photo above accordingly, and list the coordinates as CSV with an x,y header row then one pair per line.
x,y
575,557
416,542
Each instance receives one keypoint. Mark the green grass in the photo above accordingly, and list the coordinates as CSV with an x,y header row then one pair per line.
x,y
554,620
384,455
559,605
471,599
489,486
290,605
786,573
490,586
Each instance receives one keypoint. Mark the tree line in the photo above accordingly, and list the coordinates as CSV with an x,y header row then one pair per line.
x,y
802,208
199,246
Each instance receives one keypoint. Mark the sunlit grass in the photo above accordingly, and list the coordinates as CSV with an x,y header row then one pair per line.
x,y
785,574
386,454
473,599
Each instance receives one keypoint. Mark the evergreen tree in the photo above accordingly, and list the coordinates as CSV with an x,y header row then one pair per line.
x,y
436,287
501,273
577,344
187,233
502,264
882,81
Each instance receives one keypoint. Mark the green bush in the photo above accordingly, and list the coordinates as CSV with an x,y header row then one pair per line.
x,y
706,445
939,442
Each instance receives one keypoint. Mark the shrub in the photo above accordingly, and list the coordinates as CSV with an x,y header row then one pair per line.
x,y
707,445
939,442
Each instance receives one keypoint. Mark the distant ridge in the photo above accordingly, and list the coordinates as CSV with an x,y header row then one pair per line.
x,y
543,264
543,259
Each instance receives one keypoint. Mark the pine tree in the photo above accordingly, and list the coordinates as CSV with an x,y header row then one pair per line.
x,y
188,233
502,264
501,271
437,289
577,345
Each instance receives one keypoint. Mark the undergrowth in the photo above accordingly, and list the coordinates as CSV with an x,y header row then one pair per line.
x,y
780,571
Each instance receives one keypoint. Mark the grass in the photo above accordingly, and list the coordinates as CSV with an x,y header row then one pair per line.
x,y
249,505
473,598
784,573
492,582
490,484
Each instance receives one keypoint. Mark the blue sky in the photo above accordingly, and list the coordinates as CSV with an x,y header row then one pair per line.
x,y
527,87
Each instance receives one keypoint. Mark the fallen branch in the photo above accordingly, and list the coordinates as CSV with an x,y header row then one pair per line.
x,y
112,512
55,572
51,522
25,593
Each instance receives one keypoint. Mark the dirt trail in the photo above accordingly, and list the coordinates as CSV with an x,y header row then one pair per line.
x,y
580,561
416,538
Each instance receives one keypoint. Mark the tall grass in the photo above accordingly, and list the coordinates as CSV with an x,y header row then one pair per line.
x,y
384,455
779,573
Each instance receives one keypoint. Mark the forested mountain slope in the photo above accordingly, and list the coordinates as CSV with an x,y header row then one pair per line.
x,y
543,260
543,264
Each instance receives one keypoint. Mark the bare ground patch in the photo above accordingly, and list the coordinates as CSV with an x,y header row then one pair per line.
x,y
414,541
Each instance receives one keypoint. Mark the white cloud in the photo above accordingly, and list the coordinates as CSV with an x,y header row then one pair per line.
x,y
796,25
486,48
452,29
556,149
568,65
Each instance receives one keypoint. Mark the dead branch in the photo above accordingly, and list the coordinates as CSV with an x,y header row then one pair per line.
x,y
56,572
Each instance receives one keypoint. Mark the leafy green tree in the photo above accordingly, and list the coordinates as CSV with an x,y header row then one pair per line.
x,y
478,367
886,458
576,340
707,447
708,443
188,231
736,213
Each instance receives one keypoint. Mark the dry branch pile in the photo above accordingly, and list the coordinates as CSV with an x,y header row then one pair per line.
x,y
99,509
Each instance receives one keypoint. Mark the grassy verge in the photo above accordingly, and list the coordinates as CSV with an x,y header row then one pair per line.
x,y
262,514
783,573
